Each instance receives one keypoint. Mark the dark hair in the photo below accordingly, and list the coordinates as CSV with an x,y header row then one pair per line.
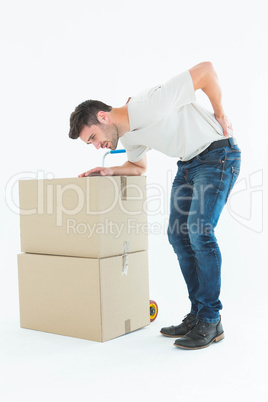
x,y
85,114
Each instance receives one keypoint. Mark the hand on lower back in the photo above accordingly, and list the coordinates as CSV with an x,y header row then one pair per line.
x,y
225,123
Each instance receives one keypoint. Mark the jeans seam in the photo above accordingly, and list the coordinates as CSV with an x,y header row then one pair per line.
x,y
235,175
218,265
218,190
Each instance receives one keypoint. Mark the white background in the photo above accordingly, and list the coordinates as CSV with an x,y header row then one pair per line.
x,y
56,54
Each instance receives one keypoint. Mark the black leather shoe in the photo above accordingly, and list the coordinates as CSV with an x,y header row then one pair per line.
x,y
180,330
201,335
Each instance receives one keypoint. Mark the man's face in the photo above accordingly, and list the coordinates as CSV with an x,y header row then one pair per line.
x,y
103,135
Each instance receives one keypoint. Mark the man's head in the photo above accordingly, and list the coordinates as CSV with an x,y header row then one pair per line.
x,y
91,122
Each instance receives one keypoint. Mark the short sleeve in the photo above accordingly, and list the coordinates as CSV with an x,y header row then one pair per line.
x,y
134,152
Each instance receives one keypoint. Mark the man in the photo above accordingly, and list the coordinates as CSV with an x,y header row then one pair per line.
x,y
169,119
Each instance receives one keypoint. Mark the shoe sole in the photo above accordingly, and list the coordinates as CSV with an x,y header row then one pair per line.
x,y
216,339
172,336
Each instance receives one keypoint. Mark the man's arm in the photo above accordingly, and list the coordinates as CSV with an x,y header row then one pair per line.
x,y
127,169
205,77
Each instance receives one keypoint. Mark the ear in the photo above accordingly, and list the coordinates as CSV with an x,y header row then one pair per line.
x,y
103,117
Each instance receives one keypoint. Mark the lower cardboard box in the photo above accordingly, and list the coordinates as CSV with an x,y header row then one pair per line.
x,y
88,298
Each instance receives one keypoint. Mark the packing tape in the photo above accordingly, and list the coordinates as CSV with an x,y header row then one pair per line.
x,y
125,258
123,180
127,326
126,247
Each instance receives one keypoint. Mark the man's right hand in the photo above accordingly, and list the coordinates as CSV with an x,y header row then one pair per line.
x,y
103,171
127,169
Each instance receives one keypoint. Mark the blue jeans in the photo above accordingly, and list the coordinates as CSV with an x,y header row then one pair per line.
x,y
199,193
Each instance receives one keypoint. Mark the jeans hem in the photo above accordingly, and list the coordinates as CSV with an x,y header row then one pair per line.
x,y
208,320
193,312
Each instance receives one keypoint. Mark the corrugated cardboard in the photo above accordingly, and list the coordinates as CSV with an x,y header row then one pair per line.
x,y
94,299
85,217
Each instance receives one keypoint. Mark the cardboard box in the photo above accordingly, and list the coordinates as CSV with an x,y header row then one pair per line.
x,y
94,299
84,217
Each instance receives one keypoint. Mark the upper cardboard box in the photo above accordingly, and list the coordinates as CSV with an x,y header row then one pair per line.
x,y
84,217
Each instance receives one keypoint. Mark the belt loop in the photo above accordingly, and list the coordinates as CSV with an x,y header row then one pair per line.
x,y
231,142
